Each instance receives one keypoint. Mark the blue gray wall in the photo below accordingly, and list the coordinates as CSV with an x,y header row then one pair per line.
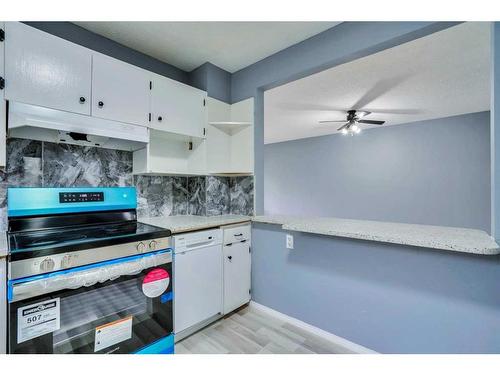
x,y
212,79
389,298
431,172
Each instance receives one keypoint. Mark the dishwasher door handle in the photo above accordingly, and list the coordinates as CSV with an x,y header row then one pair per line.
x,y
200,244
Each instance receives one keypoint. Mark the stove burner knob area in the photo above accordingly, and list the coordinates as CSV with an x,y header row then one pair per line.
x,y
152,245
47,265
66,261
140,247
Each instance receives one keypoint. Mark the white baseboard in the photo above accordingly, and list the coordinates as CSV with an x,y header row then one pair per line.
x,y
345,346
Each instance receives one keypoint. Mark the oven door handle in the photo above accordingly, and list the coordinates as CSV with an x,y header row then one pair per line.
x,y
84,276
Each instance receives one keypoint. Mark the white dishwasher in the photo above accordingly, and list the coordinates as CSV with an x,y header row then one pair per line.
x,y
198,280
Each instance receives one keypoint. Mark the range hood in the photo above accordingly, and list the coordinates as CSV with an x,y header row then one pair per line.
x,y
51,125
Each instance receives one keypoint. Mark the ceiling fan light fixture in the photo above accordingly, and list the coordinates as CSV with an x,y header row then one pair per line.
x,y
354,118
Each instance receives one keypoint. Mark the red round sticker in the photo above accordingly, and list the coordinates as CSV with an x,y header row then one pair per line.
x,y
155,282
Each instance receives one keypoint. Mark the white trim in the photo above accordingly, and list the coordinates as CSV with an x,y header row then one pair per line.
x,y
344,345
3,305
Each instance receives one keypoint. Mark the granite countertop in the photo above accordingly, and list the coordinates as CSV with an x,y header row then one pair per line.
x,y
3,244
464,240
187,223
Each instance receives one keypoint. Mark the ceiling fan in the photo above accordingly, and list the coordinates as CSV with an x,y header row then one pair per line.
x,y
353,119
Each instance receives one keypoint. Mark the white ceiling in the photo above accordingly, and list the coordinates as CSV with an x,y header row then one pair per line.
x,y
187,45
443,74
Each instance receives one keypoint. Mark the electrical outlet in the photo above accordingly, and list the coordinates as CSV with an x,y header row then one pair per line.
x,y
289,241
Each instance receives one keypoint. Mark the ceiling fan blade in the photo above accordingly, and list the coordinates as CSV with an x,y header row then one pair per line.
x,y
327,121
371,122
345,126
361,114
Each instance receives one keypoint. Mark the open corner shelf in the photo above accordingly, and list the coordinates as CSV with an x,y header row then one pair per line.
x,y
228,126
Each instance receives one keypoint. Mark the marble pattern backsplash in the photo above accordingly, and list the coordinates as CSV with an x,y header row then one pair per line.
x,y
44,164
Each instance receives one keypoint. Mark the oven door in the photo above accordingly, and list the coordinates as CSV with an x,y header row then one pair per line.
x,y
119,306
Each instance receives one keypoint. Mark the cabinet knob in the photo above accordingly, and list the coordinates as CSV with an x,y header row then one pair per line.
x,y
229,257
160,118
100,104
82,99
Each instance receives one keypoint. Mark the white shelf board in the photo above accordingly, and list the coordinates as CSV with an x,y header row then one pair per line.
x,y
230,173
168,173
230,125
172,135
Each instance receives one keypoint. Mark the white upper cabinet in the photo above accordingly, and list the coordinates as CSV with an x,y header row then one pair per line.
x,y
45,70
3,115
177,108
120,91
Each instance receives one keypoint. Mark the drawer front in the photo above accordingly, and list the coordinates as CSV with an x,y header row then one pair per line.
x,y
237,233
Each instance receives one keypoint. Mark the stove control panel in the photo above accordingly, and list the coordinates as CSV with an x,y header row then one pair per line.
x,y
140,247
68,261
57,262
47,265
78,197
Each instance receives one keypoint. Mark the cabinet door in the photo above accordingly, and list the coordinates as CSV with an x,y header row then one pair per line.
x,y
45,70
3,115
120,91
236,275
177,108
197,286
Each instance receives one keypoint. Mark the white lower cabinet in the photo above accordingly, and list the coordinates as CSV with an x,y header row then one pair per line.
x,y
237,266
210,280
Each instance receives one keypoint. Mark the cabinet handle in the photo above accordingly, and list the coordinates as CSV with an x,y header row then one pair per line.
x,y
2,83
100,104
82,99
160,118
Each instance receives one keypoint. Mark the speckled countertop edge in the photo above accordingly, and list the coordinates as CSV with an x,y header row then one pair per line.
x,y
188,223
463,240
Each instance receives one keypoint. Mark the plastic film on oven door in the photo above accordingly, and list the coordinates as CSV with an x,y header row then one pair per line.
x,y
84,276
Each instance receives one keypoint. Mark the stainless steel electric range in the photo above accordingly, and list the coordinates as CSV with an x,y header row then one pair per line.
x,y
84,276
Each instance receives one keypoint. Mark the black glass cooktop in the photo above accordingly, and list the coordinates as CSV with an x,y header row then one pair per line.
x,y
35,243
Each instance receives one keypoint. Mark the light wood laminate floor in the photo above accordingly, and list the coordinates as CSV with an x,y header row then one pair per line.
x,y
252,331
